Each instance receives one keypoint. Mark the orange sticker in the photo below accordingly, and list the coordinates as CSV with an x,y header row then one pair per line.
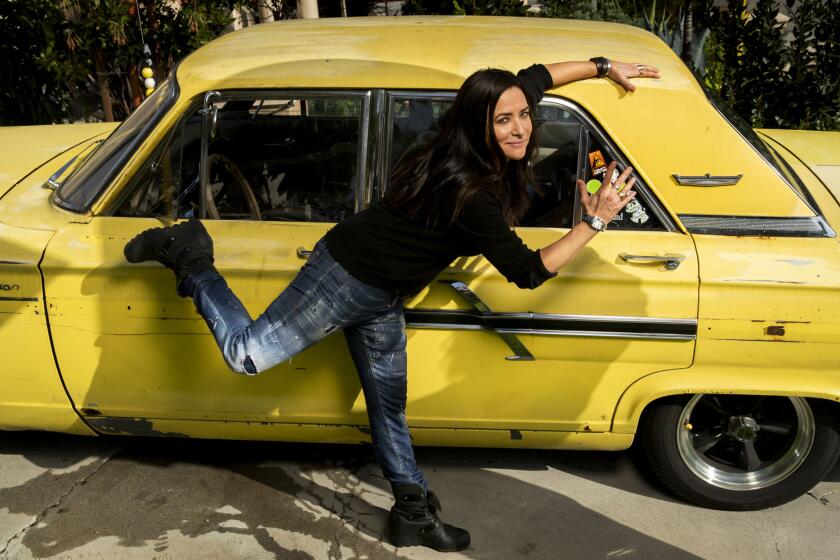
x,y
597,162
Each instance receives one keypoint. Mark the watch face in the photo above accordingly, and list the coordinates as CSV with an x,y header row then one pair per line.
x,y
596,222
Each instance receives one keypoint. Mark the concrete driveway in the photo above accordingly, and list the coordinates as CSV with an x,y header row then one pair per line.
x,y
70,497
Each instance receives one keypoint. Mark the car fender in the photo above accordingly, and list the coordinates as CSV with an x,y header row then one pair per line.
x,y
759,380
32,395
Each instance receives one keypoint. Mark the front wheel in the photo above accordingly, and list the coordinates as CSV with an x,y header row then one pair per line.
x,y
740,452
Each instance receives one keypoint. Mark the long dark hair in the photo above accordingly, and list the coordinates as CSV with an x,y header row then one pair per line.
x,y
464,158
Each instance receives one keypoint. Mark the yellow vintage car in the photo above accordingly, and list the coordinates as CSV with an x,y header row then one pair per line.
x,y
703,324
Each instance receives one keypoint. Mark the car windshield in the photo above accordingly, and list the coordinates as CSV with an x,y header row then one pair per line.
x,y
79,191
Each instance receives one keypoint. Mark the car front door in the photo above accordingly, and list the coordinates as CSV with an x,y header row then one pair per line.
x,y
486,354
281,169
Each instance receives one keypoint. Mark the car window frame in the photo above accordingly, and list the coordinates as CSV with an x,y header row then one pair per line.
x,y
120,156
361,196
591,127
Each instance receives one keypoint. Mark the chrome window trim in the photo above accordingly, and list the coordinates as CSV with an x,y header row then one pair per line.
x,y
757,226
377,146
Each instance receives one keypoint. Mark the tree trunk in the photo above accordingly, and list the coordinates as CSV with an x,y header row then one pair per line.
x,y
308,9
134,87
265,14
688,33
104,92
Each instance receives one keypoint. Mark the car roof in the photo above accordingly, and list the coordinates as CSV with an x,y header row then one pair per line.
x,y
433,52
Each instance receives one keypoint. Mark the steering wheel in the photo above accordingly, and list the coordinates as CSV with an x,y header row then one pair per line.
x,y
227,195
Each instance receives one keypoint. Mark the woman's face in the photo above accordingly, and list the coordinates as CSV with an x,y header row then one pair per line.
x,y
512,123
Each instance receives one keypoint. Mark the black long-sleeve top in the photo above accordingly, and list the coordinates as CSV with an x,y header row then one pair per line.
x,y
402,256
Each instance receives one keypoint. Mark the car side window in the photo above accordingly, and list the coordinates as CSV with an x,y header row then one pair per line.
x,y
568,148
289,158
637,215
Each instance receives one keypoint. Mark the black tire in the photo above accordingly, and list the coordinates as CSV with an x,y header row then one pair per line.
x,y
716,471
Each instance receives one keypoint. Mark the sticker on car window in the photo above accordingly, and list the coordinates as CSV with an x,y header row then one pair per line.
x,y
637,212
597,162
593,185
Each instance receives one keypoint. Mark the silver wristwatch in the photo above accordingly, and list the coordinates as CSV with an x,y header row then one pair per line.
x,y
595,222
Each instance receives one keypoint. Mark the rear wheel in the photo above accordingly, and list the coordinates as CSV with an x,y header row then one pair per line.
x,y
740,452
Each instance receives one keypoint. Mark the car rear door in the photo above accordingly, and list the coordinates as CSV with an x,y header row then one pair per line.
x,y
486,354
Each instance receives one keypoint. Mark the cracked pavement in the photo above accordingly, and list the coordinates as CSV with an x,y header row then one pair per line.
x,y
70,497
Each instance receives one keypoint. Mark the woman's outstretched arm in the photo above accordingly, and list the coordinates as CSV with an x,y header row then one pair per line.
x,y
620,72
608,201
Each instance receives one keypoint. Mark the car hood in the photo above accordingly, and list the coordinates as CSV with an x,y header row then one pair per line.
x,y
26,148
819,150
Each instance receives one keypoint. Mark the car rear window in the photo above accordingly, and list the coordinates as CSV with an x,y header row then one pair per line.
x,y
765,151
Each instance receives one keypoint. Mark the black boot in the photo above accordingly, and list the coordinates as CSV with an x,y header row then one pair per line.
x,y
186,248
414,521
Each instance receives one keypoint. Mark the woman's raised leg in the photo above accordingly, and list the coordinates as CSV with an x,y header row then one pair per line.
x,y
323,297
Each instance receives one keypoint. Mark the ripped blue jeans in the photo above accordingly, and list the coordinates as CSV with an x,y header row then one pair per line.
x,y
324,298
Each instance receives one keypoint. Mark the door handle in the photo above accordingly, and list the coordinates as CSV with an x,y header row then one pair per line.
x,y
303,253
671,262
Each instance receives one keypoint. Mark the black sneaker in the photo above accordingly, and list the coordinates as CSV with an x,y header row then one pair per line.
x,y
414,521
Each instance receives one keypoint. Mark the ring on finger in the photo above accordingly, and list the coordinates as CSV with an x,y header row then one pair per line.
x,y
640,68
622,194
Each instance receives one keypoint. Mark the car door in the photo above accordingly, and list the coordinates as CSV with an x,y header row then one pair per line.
x,y
484,353
282,168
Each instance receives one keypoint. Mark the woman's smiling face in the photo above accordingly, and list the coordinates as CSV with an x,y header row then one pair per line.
x,y
512,123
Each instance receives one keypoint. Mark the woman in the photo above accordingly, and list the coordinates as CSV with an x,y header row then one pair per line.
x,y
458,196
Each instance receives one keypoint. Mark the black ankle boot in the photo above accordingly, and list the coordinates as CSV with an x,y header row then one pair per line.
x,y
186,248
414,521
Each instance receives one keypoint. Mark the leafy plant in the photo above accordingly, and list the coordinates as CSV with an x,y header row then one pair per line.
x,y
606,10
771,82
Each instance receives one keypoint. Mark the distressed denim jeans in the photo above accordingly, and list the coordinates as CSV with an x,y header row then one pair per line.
x,y
324,298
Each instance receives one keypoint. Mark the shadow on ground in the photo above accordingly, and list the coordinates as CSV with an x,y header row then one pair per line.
x,y
151,489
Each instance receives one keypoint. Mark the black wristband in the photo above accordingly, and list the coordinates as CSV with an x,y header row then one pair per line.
x,y
602,66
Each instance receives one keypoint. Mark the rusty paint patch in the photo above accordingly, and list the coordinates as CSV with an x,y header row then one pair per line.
x,y
757,340
122,426
775,330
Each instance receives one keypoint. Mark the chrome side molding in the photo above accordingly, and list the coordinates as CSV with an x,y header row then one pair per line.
x,y
520,351
707,180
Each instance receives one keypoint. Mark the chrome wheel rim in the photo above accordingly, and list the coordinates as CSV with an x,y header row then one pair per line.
x,y
741,442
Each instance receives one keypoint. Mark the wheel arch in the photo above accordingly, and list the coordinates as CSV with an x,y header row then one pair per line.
x,y
670,384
